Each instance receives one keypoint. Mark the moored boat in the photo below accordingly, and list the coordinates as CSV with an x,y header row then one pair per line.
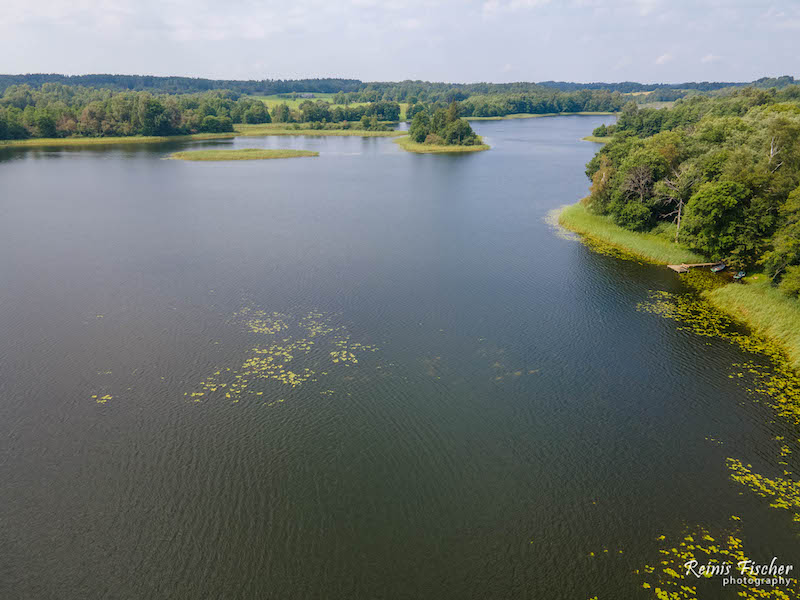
x,y
718,267
739,276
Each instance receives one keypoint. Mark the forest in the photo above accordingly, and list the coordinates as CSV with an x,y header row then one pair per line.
x,y
57,110
720,175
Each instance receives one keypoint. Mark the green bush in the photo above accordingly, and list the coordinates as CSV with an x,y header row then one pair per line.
x,y
790,284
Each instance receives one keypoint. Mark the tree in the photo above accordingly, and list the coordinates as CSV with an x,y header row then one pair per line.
x,y
420,127
785,250
712,216
675,191
638,182
281,113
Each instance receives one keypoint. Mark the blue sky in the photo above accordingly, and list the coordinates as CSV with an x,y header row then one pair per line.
x,y
441,40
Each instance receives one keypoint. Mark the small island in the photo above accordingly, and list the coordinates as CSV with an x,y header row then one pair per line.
x,y
240,154
441,131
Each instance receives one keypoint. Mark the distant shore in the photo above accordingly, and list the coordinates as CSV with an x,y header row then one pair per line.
x,y
536,116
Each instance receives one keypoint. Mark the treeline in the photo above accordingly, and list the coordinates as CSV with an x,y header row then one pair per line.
x,y
721,175
736,103
442,127
498,105
400,91
57,110
321,111
183,85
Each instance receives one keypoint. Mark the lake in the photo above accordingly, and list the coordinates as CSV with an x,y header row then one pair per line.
x,y
371,374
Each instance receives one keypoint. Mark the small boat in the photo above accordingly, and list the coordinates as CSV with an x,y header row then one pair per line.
x,y
739,276
717,268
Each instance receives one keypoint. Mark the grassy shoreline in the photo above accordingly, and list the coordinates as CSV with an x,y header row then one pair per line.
x,y
407,144
100,141
240,154
754,303
240,130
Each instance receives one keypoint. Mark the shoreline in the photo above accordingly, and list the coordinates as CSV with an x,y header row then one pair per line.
x,y
408,145
239,131
754,302
121,139
241,154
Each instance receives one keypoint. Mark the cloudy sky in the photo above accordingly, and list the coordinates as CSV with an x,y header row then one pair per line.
x,y
442,40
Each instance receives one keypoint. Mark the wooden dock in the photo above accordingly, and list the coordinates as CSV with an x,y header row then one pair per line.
x,y
684,268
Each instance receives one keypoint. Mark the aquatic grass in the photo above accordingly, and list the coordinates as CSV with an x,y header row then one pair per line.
x,y
406,143
649,247
101,141
597,139
669,578
765,309
308,349
240,154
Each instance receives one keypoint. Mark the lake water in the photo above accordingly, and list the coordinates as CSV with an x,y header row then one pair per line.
x,y
370,374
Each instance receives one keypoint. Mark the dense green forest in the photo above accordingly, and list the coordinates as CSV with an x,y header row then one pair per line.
x,y
442,127
721,175
58,110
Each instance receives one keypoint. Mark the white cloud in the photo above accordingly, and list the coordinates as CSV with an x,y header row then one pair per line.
x,y
664,58
710,58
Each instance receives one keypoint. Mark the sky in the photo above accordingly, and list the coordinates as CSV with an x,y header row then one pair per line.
x,y
391,40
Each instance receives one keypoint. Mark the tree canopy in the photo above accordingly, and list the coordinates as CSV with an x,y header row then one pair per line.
x,y
720,174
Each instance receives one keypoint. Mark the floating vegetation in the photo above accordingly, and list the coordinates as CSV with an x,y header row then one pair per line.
x,y
782,492
776,379
307,346
700,560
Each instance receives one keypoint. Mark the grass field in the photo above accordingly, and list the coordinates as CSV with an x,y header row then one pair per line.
x,y
755,302
597,139
99,141
407,144
649,247
241,154
284,129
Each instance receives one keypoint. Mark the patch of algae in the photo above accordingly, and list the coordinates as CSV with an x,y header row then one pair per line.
x,y
782,492
311,339
671,580
776,380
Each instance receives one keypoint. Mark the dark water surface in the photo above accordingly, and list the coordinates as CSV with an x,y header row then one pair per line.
x,y
516,414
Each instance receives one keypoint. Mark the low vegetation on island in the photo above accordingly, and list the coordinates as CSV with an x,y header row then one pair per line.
x,y
709,179
240,154
441,130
